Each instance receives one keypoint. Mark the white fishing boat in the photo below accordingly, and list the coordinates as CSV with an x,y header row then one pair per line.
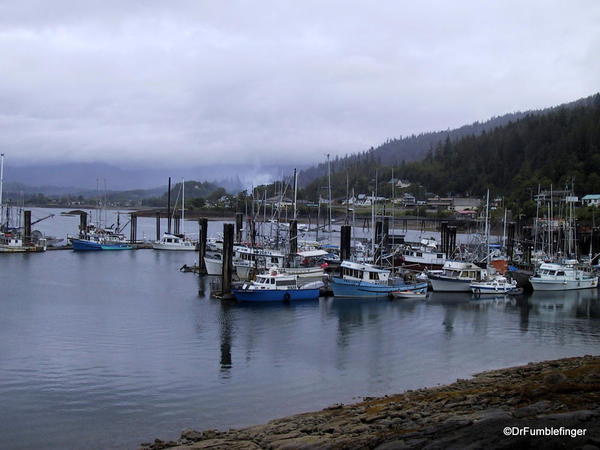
x,y
562,277
457,276
173,242
497,284
423,256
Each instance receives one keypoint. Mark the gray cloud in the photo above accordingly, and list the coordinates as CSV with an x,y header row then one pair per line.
x,y
198,82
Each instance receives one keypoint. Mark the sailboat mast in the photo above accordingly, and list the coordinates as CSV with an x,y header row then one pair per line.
x,y
182,206
295,192
329,189
1,182
487,227
169,207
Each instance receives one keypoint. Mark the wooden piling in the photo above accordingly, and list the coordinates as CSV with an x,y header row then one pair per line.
x,y
293,238
133,228
386,233
27,227
228,232
203,237
176,223
345,238
239,223
158,236
82,224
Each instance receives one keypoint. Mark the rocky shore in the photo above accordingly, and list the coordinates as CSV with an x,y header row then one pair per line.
x,y
469,413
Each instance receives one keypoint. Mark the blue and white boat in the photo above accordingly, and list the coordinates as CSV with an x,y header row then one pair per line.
x,y
366,280
275,286
94,239
497,284
91,245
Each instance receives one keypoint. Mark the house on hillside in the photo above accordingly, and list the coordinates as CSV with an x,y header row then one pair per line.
x,y
591,200
460,204
438,203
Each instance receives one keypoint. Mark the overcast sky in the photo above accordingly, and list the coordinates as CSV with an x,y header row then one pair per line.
x,y
204,82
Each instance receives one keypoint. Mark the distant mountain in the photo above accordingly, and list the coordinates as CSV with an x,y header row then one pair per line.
x,y
412,148
82,176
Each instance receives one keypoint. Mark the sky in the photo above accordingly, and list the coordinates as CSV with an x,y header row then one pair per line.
x,y
178,83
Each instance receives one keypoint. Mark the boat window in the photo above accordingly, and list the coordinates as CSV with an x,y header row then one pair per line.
x,y
373,276
286,283
440,255
560,273
272,280
419,254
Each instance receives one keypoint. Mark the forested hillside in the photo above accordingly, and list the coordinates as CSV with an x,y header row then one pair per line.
x,y
415,147
559,148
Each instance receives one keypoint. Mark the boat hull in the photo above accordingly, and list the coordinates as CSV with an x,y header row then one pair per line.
x,y
450,285
173,247
83,245
275,295
557,285
362,289
213,266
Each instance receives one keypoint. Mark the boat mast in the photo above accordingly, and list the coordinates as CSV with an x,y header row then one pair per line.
x,y
1,183
487,227
329,189
504,230
373,225
169,207
182,206
295,192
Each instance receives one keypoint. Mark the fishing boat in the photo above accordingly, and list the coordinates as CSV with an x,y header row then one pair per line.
x,y
367,280
100,240
424,256
562,277
173,242
276,286
498,284
457,276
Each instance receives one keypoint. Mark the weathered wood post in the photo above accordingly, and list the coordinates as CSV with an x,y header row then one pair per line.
x,y
27,227
227,259
444,237
202,236
158,226
82,224
345,237
451,231
385,241
176,223
293,238
133,228
510,241
239,223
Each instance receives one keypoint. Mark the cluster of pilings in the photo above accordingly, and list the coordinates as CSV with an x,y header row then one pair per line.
x,y
448,238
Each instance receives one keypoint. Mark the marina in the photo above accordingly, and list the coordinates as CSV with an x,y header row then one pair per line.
x,y
153,352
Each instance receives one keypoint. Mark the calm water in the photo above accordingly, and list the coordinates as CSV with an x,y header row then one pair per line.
x,y
110,349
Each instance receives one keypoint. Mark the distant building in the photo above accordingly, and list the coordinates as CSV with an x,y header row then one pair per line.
x,y
439,203
591,200
460,204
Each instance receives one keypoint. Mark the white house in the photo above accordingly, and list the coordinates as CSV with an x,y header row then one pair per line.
x,y
591,200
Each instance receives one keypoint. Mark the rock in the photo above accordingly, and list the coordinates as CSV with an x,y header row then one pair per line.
x,y
191,435
302,443
555,378
532,410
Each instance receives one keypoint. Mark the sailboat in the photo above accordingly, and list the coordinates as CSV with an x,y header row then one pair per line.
x,y
178,242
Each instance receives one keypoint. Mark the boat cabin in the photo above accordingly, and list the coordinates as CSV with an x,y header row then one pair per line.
x,y
364,272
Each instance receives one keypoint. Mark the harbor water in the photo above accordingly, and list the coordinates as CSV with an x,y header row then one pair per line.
x,y
111,349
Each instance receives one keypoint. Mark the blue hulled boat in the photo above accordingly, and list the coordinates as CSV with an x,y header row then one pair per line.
x,y
91,245
366,280
275,286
